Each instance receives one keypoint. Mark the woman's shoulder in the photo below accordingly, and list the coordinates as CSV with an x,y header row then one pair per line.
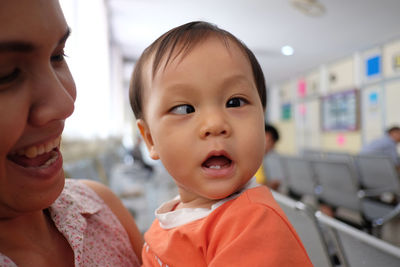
x,y
88,190
120,211
77,195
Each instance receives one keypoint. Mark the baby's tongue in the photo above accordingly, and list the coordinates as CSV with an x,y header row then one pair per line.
x,y
217,161
34,162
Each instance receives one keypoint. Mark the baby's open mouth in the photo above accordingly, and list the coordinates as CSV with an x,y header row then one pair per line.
x,y
217,162
37,156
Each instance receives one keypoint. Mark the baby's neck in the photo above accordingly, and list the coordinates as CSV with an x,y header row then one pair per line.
x,y
197,203
193,201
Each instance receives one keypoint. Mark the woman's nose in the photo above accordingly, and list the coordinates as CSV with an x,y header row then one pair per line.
x,y
53,93
215,125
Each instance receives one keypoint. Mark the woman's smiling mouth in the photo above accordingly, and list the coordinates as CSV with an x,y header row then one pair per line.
x,y
42,155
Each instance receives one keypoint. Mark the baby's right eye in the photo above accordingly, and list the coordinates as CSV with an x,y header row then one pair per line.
x,y
182,109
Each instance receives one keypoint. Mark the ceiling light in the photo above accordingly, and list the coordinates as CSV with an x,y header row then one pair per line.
x,y
287,50
311,8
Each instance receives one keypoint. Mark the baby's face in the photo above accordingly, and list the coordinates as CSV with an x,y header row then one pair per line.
x,y
205,121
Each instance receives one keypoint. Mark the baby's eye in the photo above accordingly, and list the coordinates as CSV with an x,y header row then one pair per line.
x,y
236,102
182,109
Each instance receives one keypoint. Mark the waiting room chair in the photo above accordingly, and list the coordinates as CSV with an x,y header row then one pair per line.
x,y
311,153
339,185
300,177
340,188
379,176
339,156
378,173
303,220
359,249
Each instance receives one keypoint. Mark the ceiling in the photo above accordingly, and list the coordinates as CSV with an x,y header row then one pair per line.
x,y
265,26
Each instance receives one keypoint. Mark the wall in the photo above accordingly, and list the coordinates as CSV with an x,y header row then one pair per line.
x,y
373,74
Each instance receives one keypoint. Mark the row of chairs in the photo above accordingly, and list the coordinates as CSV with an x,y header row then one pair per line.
x,y
355,183
330,242
97,167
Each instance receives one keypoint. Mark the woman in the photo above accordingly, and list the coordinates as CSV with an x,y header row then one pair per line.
x,y
44,219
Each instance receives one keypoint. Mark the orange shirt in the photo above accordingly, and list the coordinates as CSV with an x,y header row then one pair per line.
x,y
250,230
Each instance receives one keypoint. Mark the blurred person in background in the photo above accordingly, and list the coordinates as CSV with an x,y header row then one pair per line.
x,y
385,145
271,138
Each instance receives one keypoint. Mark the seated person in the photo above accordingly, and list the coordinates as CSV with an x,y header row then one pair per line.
x,y
385,145
271,138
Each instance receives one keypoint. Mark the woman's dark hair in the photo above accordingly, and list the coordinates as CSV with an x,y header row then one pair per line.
x,y
181,40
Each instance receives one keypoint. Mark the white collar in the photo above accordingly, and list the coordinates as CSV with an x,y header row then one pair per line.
x,y
169,219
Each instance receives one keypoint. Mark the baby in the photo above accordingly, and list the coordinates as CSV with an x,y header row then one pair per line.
x,y
199,96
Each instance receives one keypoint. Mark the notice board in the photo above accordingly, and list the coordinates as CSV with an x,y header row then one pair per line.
x,y
340,111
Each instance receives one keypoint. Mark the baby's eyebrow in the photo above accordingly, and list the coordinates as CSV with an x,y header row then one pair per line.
x,y
235,79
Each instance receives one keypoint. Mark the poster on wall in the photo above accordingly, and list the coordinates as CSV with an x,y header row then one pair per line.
x,y
373,103
372,117
373,66
396,62
286,111
301,88
340,111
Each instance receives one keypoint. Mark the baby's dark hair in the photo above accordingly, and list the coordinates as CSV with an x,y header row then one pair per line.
x,y
184,38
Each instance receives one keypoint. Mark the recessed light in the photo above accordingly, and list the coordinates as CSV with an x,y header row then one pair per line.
x,y
287,50
311,8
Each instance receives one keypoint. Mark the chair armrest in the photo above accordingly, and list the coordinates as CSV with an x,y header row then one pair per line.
x,y
394,213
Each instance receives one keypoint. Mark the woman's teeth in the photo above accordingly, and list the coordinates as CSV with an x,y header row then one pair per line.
x,y
34,151
54,157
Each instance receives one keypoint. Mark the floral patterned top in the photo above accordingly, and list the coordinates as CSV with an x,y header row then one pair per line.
x,y
94,233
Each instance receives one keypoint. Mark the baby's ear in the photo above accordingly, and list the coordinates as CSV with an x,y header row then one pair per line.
x,y
148,139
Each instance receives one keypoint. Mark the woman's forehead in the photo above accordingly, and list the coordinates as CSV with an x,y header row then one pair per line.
x,y
44,18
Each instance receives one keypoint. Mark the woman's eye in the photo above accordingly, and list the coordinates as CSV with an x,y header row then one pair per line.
x,y
4,79
235,102
182,109
58,58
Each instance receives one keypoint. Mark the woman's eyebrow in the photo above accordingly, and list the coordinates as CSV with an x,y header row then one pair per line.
x,y
16,46
26,47
65,36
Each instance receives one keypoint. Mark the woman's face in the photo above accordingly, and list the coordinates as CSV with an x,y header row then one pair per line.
x,y
37,94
